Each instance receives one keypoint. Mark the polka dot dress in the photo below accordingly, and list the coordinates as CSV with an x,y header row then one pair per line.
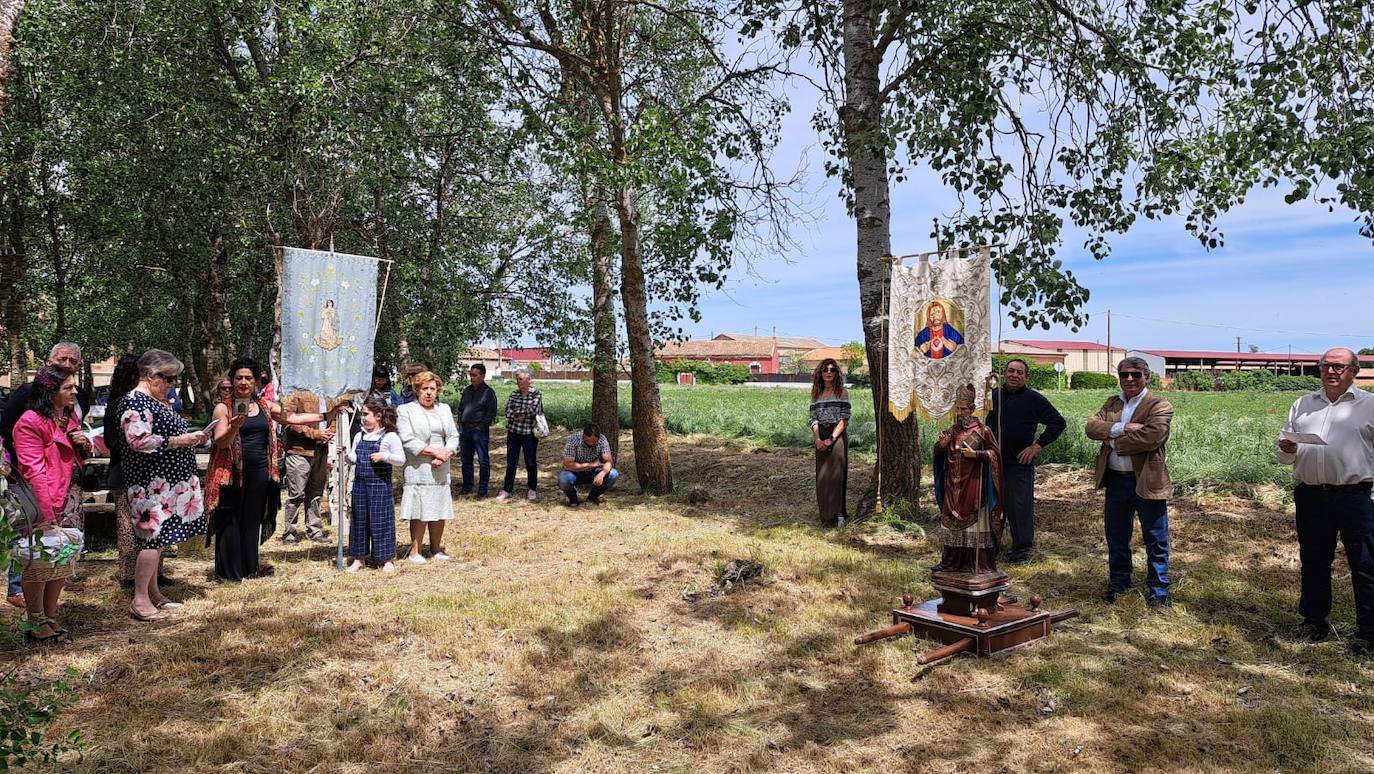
x,y
164,492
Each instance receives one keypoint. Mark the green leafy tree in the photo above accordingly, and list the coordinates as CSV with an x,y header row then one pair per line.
x,y
1040,113
854,356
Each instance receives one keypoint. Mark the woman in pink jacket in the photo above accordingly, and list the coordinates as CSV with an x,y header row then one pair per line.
x,y
48,445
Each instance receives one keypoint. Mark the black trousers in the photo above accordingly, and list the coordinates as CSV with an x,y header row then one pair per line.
x,y
516,445
1018,504
1323,514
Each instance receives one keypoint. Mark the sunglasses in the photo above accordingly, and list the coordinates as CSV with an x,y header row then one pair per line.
x,y
1131,375
168,378
830,370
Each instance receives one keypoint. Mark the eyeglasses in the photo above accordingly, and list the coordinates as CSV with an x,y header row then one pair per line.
x,y
1335,368
830,370
1131,375
168,378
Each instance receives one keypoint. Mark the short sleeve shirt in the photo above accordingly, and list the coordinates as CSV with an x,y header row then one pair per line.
x,y
581,452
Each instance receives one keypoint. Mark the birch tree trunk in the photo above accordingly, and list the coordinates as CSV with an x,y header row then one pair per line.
x,y
9,15
899,465
605,365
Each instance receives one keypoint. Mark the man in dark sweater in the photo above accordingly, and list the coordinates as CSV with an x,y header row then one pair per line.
x,y
1017,413
476,412
64,354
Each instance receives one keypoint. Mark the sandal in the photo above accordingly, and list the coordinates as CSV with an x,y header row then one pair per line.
x,y
140,617
34,639
167,604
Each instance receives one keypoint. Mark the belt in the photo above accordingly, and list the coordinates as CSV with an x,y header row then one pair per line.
x,y
1363,486
1115,472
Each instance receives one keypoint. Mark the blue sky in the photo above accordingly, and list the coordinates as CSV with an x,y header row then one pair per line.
x,y
1288,275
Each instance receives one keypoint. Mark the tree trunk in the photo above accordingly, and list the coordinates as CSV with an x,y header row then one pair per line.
x,y
215,325
9,15
899,464
605,364
13,267
652,466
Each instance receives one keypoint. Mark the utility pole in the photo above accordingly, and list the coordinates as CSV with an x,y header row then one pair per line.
x,y
1237,343
1109,339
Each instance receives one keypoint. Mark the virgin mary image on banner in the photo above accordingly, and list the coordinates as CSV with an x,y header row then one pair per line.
x,y
939,338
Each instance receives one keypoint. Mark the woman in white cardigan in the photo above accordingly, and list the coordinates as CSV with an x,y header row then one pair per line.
x,y
430,438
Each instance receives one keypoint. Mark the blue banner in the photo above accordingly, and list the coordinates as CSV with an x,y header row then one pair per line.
x,y
328,321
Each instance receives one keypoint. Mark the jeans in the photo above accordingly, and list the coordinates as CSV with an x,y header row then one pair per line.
x,y
16,587
568,482
1323,513
1119,513
477,439
1018,503
516,445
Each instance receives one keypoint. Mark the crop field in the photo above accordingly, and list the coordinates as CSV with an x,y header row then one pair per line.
x,y
1218,439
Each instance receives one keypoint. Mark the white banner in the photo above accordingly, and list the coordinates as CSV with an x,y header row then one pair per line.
x,y
939,335
328,321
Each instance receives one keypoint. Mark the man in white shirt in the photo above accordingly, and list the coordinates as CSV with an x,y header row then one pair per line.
x,y
1333,494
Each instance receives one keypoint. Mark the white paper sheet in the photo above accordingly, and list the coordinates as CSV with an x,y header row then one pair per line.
x,y
1312,438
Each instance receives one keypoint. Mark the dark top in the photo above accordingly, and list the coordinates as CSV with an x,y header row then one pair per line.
x,y
477,406
253,435
114,441
18,403
1025,410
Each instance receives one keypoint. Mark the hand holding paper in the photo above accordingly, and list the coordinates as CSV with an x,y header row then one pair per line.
x,y
1312,438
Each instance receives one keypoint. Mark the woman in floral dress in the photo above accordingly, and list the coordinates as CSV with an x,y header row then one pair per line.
x,y
159,461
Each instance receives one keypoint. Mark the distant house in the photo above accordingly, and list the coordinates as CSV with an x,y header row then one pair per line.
x,y
1076,355
788,346
487,356
515,358
761,355
813,358
1171,361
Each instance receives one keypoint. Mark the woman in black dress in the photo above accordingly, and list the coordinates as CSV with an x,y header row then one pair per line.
x,y
245,459
830,412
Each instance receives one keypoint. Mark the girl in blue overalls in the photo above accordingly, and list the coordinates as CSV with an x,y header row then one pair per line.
x,y
373,452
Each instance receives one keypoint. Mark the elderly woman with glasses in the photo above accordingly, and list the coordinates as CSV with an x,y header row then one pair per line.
x,y
244,463
158,460
829,420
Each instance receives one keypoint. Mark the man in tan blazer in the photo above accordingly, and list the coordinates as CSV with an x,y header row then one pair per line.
x,y
1133,428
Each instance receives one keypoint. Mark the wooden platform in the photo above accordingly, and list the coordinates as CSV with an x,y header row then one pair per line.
x,y
1006,625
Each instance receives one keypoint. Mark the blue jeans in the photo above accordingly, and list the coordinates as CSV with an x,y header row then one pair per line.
x,y
1323,513
15,584
1119,513
477,439
568,482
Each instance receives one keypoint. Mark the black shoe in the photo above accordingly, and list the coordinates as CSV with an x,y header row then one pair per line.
x,y
1158,601
573,502
1017,557
1111,596
465,493
594,499
1361,647
480,496
1308,631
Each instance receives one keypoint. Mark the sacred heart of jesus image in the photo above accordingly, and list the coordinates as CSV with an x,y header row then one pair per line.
x,y
329,338
939,326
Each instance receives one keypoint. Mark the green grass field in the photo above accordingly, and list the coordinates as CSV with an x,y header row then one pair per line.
x,y
1218,438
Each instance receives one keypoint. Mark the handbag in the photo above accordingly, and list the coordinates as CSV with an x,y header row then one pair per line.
x,y
541,426
22,509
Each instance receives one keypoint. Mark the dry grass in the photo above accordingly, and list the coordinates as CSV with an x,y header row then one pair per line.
x,y
566,645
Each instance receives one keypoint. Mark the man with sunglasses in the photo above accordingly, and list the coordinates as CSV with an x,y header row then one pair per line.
x,y
1133,428
1332,497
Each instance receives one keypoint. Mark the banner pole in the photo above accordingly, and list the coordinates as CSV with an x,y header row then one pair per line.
x,y
340,520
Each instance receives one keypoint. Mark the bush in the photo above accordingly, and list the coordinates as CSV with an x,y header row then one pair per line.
x,y
706,373
1042,376
1197,381
1090,380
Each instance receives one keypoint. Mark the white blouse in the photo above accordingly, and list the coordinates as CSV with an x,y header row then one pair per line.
x,y
393,453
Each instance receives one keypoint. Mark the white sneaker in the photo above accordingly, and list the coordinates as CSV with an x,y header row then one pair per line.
x,y
417,559
531,496
504,496
440,557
